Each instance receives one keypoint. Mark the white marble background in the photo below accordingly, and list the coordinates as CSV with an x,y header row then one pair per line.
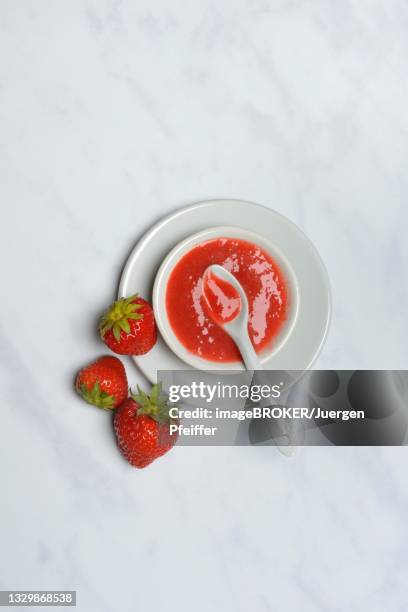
x,y
113,113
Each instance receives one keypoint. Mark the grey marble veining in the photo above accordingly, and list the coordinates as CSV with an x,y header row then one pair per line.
x,y
113,114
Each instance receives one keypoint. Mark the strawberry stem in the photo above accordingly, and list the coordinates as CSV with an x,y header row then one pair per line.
x,y
155,404
117,317
93,395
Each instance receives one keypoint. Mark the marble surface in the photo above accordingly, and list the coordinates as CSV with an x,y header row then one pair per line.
x,y
113,113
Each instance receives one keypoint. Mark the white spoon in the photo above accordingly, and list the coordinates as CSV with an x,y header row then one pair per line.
x,y
237,329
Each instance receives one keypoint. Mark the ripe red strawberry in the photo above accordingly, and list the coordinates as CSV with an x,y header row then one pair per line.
x,y
128,326
103,383
142,427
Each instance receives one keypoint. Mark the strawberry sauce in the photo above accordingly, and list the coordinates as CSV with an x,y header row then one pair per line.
x,y
188,311
221,299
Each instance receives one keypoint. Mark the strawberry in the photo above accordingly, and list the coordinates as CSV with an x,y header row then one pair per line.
x,y
128,326
103,383
142,427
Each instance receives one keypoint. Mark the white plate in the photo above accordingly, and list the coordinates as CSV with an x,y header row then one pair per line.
x,y
309,332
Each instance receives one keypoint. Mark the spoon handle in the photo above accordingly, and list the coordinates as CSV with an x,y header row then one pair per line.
x,y
248,354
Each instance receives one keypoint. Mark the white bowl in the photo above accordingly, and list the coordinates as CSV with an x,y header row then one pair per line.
x,y
166,268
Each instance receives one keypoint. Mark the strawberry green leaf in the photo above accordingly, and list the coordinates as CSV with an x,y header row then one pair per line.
x,y
116,332
124,325
95,396
155,405
117,317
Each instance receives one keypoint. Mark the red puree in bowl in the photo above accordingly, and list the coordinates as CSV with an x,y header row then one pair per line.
x,y
221,299
189,314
